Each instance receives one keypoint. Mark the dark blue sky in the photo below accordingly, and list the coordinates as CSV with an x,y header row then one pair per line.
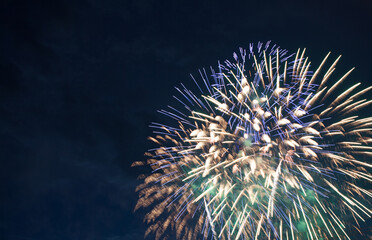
x,y
81,81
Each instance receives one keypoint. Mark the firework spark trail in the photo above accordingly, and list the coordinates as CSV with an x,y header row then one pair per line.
x,y
268,150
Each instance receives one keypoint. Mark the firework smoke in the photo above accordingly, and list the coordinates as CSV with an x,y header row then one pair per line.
x,y
267,150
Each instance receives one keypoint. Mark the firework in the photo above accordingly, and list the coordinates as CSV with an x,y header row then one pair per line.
x,y
267,150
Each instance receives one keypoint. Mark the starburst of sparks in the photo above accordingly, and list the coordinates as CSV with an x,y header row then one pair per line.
x,y
267,150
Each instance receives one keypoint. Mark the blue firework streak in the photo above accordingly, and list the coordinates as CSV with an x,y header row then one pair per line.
x,y
267,150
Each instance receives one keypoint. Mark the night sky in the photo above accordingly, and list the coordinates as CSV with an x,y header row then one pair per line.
x,y
82,80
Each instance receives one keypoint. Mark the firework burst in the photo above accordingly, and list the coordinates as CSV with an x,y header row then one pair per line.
x,y
267,150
